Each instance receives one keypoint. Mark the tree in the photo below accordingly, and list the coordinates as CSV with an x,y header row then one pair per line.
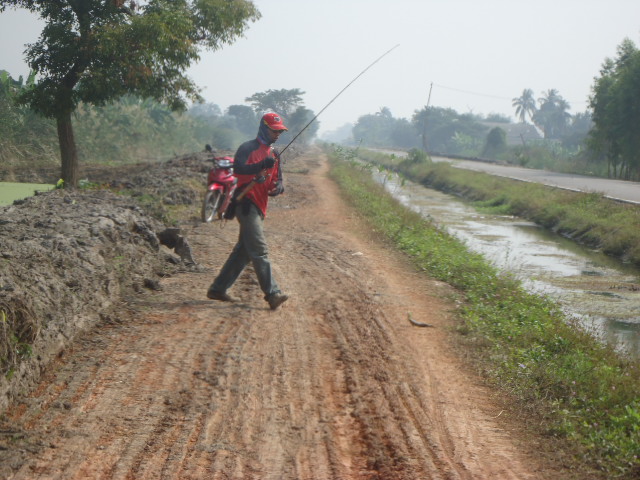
x,y
381,129
496,142
23,134
577,130
205,110
497,118
525,105
403,134
445,126
246,120
289,104
95,51
296,122
9,115
420,124
552,116
281,101
616,112
375,129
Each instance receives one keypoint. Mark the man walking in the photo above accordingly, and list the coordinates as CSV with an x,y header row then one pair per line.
x,y
259,176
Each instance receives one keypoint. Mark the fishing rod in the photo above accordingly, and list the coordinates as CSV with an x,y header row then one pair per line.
x,y
261,178
339,93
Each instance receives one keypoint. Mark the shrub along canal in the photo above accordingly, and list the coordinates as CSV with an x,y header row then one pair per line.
x,y
602,292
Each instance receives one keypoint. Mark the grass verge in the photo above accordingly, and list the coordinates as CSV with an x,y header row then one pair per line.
x,y
584,392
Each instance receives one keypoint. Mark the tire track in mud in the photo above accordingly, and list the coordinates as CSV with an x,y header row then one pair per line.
x,y
362,334
421,443
148,376
333,385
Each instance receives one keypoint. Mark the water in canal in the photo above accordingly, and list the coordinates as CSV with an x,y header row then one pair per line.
x,y
603,293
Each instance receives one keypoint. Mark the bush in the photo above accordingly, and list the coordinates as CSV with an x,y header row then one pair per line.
x,y
417,156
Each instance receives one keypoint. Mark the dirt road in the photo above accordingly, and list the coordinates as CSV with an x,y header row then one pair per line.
x,y
336,384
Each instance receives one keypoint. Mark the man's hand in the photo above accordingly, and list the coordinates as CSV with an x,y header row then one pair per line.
x,y
268,162
276,190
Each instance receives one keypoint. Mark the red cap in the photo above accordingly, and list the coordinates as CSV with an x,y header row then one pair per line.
x,y
273,121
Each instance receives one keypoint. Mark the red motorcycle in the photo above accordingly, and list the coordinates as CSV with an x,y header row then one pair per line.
x,y
220,187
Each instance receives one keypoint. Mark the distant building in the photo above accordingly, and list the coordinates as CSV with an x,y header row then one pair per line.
x,y
517,133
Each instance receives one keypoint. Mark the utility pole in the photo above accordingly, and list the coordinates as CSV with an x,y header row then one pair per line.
x,y
424,123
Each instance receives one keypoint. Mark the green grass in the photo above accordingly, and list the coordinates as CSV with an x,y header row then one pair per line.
x,y
579,389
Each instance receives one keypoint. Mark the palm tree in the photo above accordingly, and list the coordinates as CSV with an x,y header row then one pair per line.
x,y
561,117
525,105
552,116
550,98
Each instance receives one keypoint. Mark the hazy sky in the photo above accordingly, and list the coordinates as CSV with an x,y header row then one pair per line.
x,y
478,55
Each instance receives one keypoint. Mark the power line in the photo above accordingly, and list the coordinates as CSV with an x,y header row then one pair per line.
x,y
493,96
471,93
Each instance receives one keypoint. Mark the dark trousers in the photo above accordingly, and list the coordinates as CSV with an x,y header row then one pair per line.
x,y
251,247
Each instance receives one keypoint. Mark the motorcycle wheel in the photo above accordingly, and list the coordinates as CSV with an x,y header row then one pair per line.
x,y
210,205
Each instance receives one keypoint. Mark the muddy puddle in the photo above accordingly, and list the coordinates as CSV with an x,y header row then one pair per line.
x,y
603,293
10,191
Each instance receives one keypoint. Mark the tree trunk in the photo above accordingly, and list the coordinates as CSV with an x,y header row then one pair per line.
x,y
68,151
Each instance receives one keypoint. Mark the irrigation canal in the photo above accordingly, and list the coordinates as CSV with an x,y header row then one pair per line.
x,y
601,292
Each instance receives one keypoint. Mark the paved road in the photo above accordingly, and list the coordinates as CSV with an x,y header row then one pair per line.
x,y
616,189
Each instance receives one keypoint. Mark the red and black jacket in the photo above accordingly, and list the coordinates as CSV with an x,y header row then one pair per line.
x,y
247,163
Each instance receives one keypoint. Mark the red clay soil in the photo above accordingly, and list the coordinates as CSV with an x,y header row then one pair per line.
x,y
336,384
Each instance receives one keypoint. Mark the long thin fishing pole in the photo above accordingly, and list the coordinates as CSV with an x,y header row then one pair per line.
x,y
339,93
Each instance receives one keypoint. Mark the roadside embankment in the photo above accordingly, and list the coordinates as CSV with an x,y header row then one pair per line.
x,y
67,256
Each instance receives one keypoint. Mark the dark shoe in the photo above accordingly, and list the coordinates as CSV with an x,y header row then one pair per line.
x,y
222,296
276,299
